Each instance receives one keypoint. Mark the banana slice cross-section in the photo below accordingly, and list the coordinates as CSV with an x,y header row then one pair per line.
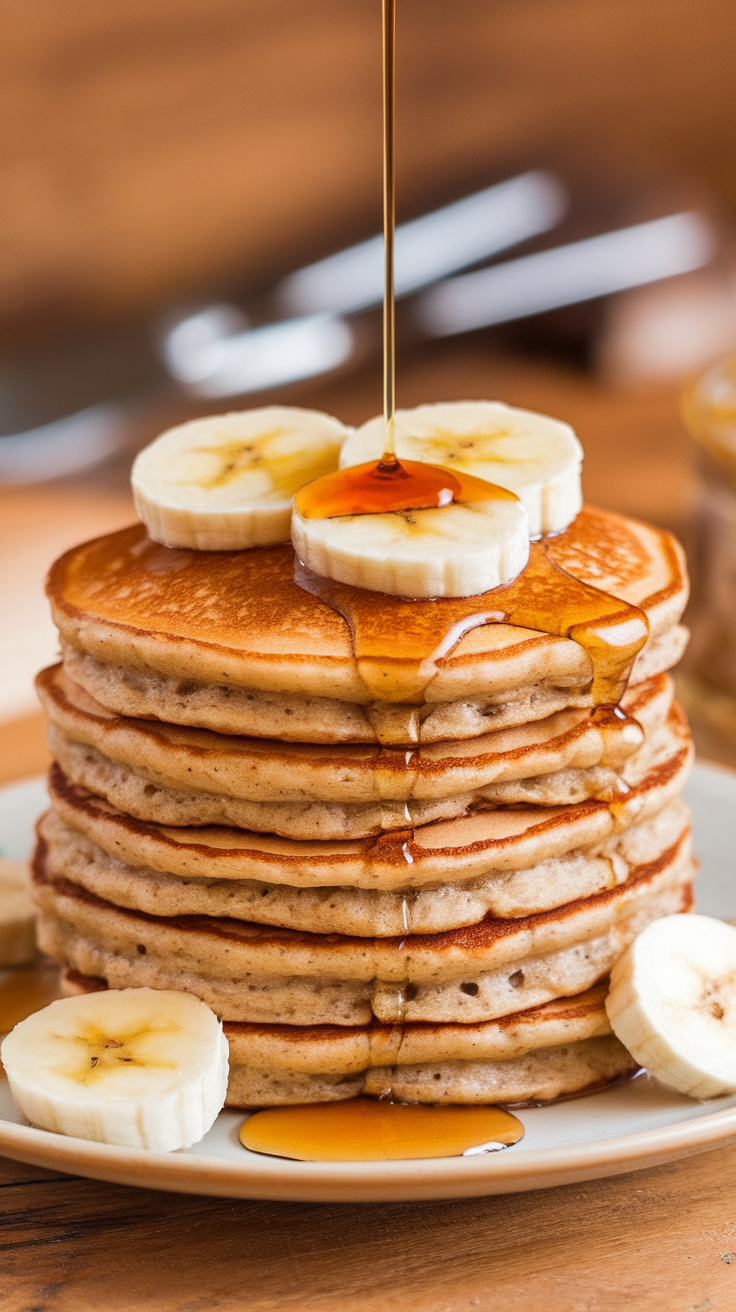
x,y
142,1068
225,483
672,1003
454,550
532,455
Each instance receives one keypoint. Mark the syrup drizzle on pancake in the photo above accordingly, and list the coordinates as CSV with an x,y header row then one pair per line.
x,y
397,641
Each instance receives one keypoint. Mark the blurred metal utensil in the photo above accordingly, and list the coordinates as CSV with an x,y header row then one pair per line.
x,y
567,275
213,362
431,247
214,353
257,358
63,446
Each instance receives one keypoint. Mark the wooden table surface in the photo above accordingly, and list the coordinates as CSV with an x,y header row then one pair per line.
x,y
157,150
662,1239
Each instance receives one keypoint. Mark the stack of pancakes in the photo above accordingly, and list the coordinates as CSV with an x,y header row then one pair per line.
x,y
417,900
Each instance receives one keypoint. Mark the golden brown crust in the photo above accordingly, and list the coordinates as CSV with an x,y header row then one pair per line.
x,y
428,953
239,618
463,848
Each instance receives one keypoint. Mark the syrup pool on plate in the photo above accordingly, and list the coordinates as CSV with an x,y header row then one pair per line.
x,y
366,1130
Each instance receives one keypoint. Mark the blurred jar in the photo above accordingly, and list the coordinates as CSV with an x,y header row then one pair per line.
x,y
708,683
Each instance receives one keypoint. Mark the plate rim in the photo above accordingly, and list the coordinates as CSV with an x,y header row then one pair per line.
x,y
281,1179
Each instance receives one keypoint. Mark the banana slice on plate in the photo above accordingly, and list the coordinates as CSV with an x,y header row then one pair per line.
x,y
17,915
143,1068
672,1003
225,483
532,455
448,550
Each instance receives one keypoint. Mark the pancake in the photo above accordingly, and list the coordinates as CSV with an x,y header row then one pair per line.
x,y
367,912
239,620
130,691
465,848
251,972
539,1077
404,874
560,1048
260,770
137,795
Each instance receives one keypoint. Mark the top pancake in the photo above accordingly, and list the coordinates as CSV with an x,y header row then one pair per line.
x,y
239,619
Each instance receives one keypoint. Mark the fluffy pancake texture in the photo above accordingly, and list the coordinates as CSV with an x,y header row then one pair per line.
x,y
239,619
423,910
249,971
315,791
416,899
460,849
292,718
546,1052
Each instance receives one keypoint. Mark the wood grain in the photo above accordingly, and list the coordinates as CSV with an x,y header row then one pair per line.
x,y
658,1241
147,150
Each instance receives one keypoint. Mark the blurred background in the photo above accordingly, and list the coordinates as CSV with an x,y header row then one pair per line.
x,y
175,177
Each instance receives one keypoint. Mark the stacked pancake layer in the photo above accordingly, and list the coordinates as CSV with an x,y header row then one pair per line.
x,y
418,899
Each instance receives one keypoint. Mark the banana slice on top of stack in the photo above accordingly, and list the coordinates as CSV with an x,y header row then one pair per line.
x,y
451,549
225,483
461,545
537,458
142,1068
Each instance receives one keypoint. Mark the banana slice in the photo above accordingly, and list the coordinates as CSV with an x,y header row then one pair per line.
x,y
454,550
17,915
143,1068
672,1003
532,455
225,483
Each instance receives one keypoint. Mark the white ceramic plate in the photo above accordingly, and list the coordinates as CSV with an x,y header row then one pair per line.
x,y
633,1125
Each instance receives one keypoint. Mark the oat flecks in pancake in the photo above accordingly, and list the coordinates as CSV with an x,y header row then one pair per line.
x,y
260,770
239,618
387,899
252,972
294,718
149,795
507,838
368,912
544,1053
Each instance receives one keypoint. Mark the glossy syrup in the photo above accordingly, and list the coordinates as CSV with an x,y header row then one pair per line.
x,y
398,642
26,989
363,1130
392,486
